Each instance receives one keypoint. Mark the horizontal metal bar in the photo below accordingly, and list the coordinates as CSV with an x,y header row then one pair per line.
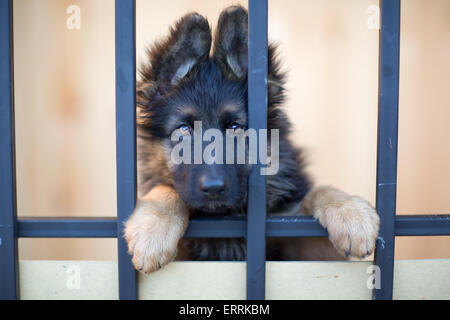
x,y
67,227
221,227
211,227
422,225
236,227
215,227
295,227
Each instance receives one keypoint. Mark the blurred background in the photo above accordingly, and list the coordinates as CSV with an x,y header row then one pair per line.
x,y
65,101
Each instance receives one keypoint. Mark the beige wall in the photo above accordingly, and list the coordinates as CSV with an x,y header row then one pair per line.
x,y
413,280
65,105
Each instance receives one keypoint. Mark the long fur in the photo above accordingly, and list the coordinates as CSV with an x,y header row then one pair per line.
x,y
210,76
184,82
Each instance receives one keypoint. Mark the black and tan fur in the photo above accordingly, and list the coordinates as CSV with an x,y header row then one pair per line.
x,y
184,82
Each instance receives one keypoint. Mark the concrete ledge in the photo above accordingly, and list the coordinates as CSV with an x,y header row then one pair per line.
x,y
414,279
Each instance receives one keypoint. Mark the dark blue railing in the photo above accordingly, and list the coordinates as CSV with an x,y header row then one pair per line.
x,y
257,226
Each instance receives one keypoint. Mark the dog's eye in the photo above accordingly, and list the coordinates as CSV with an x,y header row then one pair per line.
x,y
237,127
185,129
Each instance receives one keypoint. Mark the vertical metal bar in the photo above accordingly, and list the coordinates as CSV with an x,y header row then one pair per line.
x,y
9,288
125,137
387,143
257,114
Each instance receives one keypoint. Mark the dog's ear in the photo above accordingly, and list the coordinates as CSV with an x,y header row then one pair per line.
x,y
171,60
231,42
231,50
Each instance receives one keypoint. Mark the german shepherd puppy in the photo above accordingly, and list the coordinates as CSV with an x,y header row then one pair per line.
x,y
184,83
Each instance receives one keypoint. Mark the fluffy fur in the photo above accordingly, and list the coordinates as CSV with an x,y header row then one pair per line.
x,y
184,82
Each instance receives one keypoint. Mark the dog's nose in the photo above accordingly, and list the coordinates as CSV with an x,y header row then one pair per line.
x,y
213,187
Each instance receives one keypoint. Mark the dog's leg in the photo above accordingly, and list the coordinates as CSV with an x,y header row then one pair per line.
x,y
351,221
154,229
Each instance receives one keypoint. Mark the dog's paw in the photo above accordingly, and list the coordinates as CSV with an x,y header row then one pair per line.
x,y
352,226
152,234
149,242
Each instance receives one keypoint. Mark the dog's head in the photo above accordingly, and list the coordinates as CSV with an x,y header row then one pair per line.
x,y
185,92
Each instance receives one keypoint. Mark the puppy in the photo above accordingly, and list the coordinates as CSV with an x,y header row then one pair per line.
x,y
184,84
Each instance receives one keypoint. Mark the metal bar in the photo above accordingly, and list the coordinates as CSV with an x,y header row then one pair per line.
x,y
387,143
214,227
221,227
8,240
257,115
125,137
237,227
422,225
295,227
67,227
232,227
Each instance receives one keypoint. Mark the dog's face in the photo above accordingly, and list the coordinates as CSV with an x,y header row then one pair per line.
x,y
183,85
206,103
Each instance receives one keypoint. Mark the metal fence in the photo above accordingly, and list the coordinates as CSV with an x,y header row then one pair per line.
x,y
257,226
